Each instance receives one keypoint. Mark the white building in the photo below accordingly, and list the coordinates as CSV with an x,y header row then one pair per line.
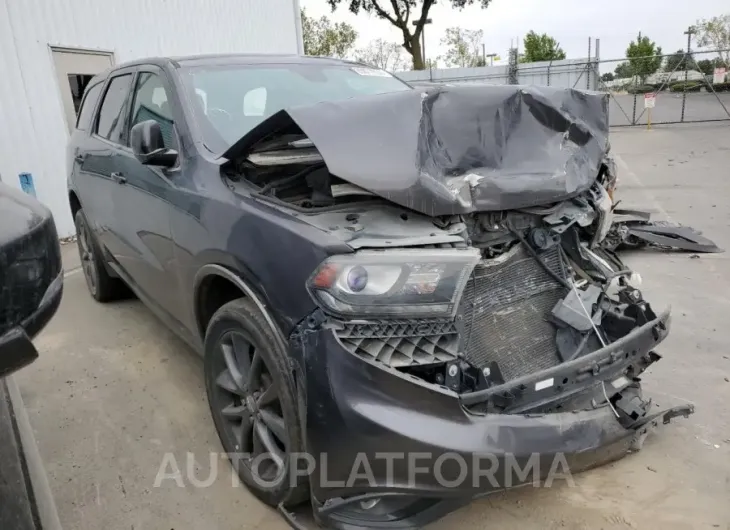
x,y
49,48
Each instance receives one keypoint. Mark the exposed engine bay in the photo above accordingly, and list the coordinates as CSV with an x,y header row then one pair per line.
x,y
545,289
544,292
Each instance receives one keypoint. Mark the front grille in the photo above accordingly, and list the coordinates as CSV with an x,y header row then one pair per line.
x,y
505,307
402,343
28,265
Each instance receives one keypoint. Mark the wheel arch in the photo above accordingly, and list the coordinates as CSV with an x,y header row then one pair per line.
x,y
73,202
215,273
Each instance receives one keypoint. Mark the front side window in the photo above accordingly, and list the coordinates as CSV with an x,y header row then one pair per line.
x,y
111,114
230,100
87,107
151,103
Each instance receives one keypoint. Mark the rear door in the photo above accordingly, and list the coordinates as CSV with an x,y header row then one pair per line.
x,y
90,188
102,156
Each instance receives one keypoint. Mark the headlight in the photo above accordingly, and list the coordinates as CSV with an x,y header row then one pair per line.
x,y
403,283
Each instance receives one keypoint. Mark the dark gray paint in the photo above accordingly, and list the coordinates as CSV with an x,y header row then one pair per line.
x,y
457,149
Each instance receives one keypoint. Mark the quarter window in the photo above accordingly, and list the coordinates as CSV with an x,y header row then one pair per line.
x,y
151,103
111,114
87,107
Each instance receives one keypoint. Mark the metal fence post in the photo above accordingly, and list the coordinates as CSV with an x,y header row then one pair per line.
x,y
588,66
512,69
594,67
633,118
548,72
689,32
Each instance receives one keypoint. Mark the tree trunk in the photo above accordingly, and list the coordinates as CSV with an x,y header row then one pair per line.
x,y
417,53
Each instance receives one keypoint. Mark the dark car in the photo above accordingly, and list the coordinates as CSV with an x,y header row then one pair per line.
x,y
372,273
31,279
31,287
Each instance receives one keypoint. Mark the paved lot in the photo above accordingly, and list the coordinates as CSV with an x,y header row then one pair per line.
x,y
114,391
698,106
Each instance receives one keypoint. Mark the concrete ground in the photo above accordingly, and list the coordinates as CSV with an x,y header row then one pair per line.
x,y
114,391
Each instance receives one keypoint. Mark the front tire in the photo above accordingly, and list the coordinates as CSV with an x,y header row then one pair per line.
x,y
102,287
252,399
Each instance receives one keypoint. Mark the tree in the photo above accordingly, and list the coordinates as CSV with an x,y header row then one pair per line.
x,y
383,54
644,57
463,47
608,76
715,32
402,14
707,66
678,61
624,71
541,48
323,38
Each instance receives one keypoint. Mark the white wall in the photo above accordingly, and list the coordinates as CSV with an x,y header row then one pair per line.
x,y
33,132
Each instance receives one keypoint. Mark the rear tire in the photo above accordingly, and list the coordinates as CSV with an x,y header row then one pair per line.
x,y
252,398
102,287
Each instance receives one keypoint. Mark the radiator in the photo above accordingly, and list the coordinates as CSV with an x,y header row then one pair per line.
x,y
504,309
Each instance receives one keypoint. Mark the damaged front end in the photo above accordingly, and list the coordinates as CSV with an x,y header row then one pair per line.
x,y
479,312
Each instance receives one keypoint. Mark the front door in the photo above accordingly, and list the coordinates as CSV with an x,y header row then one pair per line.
x,y
74,70
142,198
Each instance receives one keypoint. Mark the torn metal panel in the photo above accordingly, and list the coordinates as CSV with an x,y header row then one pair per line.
x,y
634,229
455,149
679,237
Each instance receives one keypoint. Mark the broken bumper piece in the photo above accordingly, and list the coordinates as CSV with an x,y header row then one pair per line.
x,y
391,451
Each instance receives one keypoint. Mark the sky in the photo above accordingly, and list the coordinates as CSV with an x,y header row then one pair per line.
x,y
570,22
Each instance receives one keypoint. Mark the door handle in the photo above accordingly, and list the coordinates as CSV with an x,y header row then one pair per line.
x,y
80,158
119,178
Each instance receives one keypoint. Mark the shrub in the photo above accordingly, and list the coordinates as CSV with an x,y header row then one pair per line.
x,y
688,86
641,89
721,87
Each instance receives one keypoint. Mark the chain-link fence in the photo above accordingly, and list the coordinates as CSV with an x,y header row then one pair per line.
x,y
674,88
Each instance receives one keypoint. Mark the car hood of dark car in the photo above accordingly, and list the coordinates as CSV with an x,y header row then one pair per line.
x,y
19,214
455,149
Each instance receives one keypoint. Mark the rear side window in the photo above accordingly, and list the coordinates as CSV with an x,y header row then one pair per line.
x,y
111,114
87,107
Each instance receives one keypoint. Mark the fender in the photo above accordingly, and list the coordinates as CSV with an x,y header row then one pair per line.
x,y
220,270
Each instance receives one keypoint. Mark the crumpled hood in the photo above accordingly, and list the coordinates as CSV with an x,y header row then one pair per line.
x,y
456,149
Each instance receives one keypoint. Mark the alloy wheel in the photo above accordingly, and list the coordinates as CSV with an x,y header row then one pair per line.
x,y
86,252
247,398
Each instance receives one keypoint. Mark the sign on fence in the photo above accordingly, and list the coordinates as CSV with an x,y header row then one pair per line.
x,y
719,76
649,100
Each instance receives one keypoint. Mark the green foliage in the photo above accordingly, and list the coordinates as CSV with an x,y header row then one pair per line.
x,y
641,89
676,62
715,33
644,57
707,66
624,71
608,76
402,14
322,38
541,48
383,54
463,48
688,86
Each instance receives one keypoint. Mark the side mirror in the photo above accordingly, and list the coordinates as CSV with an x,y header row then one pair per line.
x,y
148,145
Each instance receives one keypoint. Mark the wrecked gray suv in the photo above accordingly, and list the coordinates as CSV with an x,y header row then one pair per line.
x,y
372,273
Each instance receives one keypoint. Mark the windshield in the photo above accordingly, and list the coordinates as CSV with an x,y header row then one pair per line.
x,y
230,100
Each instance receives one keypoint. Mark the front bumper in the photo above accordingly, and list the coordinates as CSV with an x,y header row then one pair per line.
x,y
377,433
16,348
